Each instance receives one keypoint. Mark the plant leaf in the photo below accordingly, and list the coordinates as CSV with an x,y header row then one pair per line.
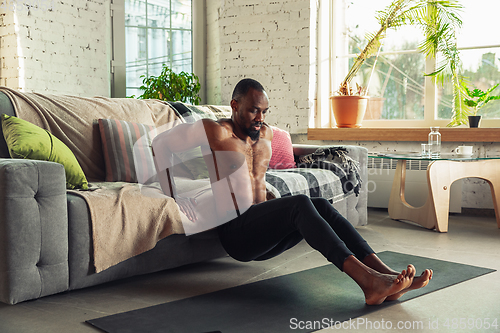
x,y
170,86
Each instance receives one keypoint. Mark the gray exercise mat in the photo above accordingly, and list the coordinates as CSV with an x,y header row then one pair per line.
x,y
321,294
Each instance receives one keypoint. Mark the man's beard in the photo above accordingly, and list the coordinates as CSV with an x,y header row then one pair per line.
x,y
254,135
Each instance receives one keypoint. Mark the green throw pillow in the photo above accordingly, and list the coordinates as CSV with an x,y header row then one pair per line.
x,y
26,140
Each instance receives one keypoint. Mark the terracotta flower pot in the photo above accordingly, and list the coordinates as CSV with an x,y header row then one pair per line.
x,y
349,110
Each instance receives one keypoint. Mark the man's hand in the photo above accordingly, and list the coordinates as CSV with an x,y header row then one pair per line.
x,y
186,206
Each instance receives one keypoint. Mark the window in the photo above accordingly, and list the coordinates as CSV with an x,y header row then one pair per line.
x,y
400,95
156,32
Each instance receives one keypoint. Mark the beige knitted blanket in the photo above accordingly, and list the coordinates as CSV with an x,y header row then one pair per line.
x,y
126,219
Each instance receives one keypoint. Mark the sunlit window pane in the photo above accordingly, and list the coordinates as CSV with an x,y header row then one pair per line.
x,y
482,71
361,20
157,32
395,87
159,14
136,55
479,23
158,50
181,14
181,59
135,13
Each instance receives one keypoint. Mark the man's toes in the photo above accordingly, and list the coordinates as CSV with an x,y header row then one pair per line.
x,y
427,274
412,271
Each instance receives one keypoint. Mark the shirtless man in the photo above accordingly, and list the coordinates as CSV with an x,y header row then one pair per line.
x,y
260,229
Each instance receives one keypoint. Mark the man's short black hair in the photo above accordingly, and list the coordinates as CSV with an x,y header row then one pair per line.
x,y
242,87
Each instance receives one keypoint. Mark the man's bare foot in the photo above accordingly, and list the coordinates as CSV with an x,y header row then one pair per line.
x,y
418,282
383,286
375,285
373,261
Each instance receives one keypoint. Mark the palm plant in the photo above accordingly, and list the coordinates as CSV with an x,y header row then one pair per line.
x,y
438,20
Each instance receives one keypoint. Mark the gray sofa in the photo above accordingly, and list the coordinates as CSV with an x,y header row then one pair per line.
x,y
46,236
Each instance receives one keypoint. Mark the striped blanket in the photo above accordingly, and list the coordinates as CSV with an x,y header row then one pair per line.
x,y
311,182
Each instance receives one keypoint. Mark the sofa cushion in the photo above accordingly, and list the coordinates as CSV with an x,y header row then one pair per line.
x,y
282,148
25,140
128,154
127,150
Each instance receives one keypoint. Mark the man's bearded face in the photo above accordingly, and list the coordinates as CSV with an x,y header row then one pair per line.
x,y
252,110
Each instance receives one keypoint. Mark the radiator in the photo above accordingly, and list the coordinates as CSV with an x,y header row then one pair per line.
x,y
381,175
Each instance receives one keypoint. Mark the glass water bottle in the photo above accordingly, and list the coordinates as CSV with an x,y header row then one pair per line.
x,y
435,142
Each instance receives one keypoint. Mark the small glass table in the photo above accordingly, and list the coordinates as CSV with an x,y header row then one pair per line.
x,y
441,173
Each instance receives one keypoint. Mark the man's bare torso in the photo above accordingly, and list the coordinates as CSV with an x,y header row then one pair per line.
x,y
243,161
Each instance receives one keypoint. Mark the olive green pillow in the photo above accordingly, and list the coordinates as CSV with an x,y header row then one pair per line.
x,y
26,140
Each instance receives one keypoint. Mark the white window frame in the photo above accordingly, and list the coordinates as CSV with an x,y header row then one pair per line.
x,y
330,27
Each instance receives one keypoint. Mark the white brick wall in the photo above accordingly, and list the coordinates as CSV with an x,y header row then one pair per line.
x,y
268,40
63,50
66,50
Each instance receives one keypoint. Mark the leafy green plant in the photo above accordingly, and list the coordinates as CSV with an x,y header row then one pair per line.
x,y
473,99
169,86
438,20
478,98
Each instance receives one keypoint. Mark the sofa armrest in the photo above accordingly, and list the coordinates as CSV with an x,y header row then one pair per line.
x,y
357,153
33,230
301,149
355,209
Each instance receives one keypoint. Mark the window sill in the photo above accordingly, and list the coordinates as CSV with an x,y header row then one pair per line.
x,y
404,134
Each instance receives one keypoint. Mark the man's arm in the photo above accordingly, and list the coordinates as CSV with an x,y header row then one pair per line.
x,y
181,138
264,156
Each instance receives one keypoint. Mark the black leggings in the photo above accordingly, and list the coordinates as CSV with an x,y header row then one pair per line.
x,y
272,227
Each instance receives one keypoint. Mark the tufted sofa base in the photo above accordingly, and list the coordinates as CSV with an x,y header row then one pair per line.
x,y
34,230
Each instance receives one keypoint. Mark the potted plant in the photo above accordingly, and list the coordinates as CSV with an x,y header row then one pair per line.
x,y
438,20
170,86
475,99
